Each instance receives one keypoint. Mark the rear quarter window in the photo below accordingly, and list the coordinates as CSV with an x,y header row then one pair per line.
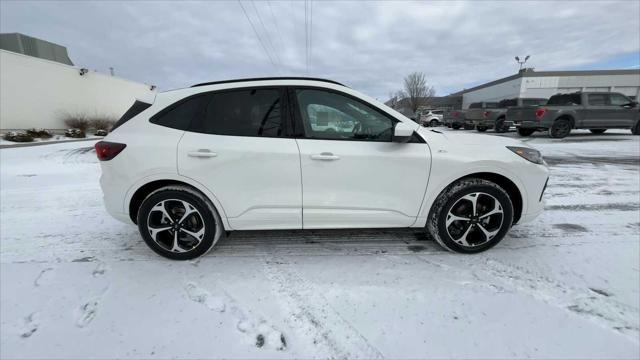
x,y
135,109
179,115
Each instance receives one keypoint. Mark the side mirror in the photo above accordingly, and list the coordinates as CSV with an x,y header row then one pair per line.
x,y
402,132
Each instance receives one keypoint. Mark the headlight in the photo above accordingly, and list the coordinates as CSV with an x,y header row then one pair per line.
x,y
528,154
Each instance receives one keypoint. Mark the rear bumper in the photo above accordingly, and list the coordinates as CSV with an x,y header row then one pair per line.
x,y
484,123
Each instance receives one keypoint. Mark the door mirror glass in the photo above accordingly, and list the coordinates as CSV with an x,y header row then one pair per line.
x,y
402,132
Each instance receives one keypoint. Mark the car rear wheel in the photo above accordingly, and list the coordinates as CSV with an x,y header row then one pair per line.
x,y
560,129
636,129
597,131
179,223
470,216
433,123
525,132
455,126
481,128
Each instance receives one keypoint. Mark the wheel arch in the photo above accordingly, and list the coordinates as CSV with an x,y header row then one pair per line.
x,y
143,188
509,184
566,116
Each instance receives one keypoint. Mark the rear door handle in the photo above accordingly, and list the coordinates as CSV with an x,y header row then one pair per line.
x,y
325,156
203,153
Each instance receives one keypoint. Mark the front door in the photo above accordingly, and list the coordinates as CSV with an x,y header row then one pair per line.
x,y
236,147
353,175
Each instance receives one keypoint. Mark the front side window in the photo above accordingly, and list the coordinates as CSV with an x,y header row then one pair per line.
x,y
507,103
598,99
619,100
244,112
328,115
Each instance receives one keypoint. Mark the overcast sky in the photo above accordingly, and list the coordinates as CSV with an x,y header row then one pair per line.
x,y
369,46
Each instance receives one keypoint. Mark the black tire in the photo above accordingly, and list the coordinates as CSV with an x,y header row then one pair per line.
x,y
560,129
451,200
481,128
433,123
455,126
500,127
597,131
205,218
525,132
636,129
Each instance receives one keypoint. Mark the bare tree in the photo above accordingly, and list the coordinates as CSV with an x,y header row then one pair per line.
x,y
394,99
417,91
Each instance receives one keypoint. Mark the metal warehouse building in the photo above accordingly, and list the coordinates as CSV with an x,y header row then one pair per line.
x,y
543,84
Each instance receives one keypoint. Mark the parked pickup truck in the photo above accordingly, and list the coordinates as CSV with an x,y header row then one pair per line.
x,y
475,113
496,118
596,111
454,118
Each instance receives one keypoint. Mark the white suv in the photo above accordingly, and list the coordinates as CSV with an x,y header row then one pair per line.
x,y
431,118
298,153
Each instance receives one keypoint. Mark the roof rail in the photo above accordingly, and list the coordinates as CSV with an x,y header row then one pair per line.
x,y
267,79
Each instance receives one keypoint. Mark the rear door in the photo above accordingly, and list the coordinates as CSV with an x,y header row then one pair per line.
x,y
353,175
237,146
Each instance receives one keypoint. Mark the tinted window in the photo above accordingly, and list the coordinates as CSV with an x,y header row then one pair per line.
x,y
617,100
475,106
491,105
598,99
533,102
328,115
507,102
438,112
250,112
135,109
565,99
180,114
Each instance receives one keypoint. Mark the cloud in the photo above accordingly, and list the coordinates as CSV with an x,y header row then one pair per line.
x,y
367,45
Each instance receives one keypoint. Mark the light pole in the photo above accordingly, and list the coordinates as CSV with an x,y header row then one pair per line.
x,y
523,61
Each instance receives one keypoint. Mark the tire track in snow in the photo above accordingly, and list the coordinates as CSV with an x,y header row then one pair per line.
x,y
583,302
312,313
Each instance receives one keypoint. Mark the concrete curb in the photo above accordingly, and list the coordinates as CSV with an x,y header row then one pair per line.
x,y
17,145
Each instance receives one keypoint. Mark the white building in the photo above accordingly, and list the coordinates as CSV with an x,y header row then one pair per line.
x,y
543,84
38,86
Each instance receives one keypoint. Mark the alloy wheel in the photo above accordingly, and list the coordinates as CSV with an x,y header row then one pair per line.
x,y
474,219
176,225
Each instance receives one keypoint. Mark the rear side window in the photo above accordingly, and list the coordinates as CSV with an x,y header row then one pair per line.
x,y
179,115
491,105
246,112
135,109
475,106
565,99
507,102
598,99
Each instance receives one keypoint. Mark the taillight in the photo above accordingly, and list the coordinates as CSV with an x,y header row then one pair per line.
x,y
486,114
455,114
540,113
108,150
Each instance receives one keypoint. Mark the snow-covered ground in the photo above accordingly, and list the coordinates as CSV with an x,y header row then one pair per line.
x,y
77,284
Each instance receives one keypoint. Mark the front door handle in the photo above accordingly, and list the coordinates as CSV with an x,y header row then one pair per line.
x,y
203,153
325,156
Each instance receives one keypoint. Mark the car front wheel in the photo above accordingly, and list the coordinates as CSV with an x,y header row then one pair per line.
x,y
179,223
481,128
470,216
